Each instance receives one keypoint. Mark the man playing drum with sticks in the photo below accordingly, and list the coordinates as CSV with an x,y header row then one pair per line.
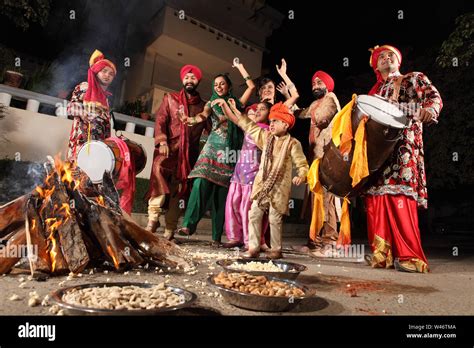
x,y
176,151
400,186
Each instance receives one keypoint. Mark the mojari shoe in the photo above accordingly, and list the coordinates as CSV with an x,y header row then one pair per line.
x,y
251,254
152,226
308,247
216,244
184,231
169,235
274,255
322,253
405,266
232,244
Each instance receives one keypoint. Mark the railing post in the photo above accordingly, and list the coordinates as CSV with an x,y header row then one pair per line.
x,y
150,132
130,127
32,105
61,112
5,99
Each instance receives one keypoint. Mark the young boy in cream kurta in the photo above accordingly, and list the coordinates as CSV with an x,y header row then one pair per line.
x,y
272,185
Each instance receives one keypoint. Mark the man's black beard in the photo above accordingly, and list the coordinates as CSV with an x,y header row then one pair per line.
x,y
318,93
190,89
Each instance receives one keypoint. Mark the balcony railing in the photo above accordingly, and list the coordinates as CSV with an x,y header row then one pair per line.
x,y
34,100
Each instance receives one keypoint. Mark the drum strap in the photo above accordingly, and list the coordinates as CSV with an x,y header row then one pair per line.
x,y
112,116
397,83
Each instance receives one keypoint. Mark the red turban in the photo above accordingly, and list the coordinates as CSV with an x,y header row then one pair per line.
x,y
95,95
190,69
377,50
326,78
374,56
252,107
281,112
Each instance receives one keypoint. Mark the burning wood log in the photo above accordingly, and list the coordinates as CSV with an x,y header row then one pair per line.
x,y
42,261
75,224
12,215
154,247
10,254
107,232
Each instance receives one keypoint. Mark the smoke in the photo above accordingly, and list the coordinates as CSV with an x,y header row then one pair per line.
x,y
102,25
19,178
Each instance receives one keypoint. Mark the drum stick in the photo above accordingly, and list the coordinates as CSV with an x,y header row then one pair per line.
x,y
88,138
406,109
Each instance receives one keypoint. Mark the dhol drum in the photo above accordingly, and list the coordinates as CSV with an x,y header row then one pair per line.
x,y
383,130
105,155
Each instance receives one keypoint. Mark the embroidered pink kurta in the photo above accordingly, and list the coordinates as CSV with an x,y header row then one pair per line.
x,y
238,199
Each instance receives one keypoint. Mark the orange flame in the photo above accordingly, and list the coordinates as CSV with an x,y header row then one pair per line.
x,y
112,255
67,209
100,200
65,171
44,193
52,225
53,252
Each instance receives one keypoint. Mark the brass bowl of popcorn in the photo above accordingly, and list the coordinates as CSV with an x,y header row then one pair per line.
x,y
260,293
272,268
124,298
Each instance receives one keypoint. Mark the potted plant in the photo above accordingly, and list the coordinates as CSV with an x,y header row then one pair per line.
x,y
40,78
12,75
12,78
135,109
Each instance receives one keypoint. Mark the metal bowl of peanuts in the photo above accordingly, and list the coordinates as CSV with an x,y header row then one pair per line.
x,y
122,299
272,268
260,293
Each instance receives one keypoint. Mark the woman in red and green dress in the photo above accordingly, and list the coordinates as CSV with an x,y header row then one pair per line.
x,y
215,165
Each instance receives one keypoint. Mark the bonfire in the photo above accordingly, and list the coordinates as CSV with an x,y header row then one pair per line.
x,y
68,224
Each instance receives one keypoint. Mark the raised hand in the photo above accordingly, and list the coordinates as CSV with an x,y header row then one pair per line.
x,y
236,62
282,70
283,89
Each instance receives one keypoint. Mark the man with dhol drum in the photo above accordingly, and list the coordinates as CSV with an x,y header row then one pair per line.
x,y
399,188
89,105
176,151
321,112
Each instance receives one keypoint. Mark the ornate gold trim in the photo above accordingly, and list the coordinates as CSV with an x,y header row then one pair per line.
x,y
383,257
415,264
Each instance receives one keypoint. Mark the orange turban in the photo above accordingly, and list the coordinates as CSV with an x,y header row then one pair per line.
x,y
281,112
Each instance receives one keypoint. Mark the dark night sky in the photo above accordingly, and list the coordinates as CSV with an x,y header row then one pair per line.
x,y
320,37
